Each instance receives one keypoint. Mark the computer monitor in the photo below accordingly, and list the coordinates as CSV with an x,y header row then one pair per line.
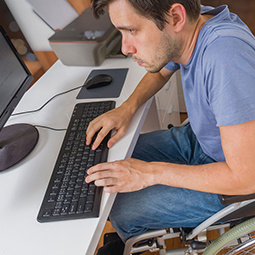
x,y
16,141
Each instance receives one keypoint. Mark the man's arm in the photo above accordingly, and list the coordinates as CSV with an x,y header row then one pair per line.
x,y
235,176
120,118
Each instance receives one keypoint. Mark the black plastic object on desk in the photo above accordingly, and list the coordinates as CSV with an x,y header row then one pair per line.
x,y
68,196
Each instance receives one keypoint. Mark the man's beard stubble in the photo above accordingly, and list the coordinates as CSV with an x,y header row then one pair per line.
x,y
169,51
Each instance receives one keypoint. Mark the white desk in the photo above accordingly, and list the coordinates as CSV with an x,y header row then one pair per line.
x,y
22,187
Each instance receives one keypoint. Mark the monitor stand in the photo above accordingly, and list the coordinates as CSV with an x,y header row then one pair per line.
x,y
16,142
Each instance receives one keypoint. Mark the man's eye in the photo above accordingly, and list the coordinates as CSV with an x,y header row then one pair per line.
x,y
131,31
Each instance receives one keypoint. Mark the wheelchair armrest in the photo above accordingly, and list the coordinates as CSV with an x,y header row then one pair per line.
x,y
226,200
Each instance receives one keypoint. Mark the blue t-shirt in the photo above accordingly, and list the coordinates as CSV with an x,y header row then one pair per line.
x,y
219,80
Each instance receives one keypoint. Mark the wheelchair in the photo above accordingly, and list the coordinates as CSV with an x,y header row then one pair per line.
x,y
238,217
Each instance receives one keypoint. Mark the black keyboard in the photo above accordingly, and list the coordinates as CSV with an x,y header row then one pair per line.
x,y
68,196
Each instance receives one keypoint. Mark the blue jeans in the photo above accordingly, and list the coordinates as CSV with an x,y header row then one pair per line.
x,y
161,206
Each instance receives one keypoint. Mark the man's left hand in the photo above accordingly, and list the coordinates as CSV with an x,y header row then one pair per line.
x,y
122,176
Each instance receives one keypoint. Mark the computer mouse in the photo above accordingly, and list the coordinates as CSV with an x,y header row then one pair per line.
x,y
99,80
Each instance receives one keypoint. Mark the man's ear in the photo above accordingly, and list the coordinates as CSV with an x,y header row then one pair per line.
x,y
178,17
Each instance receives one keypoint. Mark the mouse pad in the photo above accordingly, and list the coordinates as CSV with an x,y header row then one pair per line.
x,y
110,91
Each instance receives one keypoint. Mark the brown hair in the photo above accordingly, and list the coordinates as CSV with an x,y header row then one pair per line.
x,y
156,10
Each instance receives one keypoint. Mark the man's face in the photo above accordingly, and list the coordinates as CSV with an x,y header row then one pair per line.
x,y
141,38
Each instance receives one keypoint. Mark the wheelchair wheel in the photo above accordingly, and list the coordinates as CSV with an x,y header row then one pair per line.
x,y
238,240
247,247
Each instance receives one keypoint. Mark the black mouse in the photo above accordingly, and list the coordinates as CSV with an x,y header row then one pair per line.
x,y
98,80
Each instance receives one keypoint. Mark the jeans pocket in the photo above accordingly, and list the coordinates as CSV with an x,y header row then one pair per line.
x,y
204,159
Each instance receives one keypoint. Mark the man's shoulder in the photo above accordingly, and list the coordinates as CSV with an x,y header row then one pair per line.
x,y
224,24
225,39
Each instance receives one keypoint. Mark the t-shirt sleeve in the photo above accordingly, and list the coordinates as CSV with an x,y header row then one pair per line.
x,y
230,80
172,66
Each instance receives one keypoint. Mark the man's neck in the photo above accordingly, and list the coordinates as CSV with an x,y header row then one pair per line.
x,y
189,38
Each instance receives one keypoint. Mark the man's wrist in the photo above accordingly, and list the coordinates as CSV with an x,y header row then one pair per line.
x,y
129,107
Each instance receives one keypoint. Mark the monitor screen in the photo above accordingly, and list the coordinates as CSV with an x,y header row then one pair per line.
x,y
15,79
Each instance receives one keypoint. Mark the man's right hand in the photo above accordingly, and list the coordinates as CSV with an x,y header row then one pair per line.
x,y
118,119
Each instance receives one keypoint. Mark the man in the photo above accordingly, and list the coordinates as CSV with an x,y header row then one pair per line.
x,y
174,176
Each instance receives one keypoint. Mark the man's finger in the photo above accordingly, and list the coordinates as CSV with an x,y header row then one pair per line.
x,y
99,137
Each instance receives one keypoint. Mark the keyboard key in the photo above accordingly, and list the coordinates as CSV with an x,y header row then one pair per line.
x,y
46,213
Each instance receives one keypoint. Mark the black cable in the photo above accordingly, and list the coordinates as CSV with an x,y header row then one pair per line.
x,y
37,110
54,129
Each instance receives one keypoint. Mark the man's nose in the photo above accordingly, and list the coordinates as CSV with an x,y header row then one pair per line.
x,y
127,48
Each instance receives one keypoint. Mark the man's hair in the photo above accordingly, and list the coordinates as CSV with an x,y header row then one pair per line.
x,y
156,10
